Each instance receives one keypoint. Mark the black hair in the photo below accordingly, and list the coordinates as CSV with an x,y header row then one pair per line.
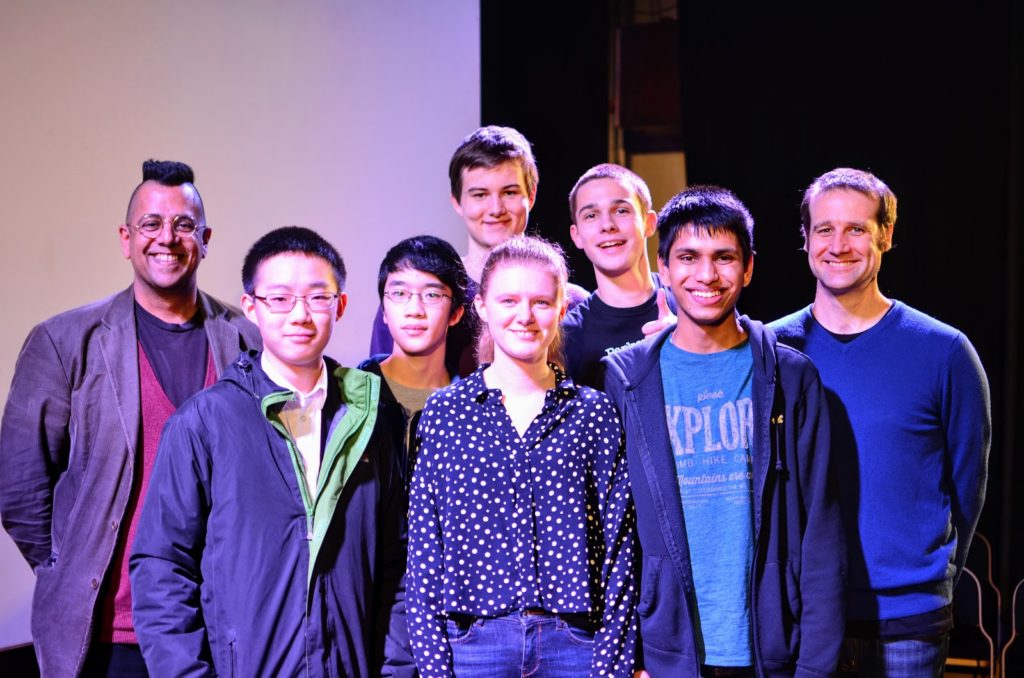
x,y
166,173
290,240
431,255
707,209
847,178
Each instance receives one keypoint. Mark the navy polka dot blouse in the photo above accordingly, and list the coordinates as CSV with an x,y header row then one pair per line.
x,y
499,523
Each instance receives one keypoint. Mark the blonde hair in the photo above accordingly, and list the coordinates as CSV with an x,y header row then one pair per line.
x,y
530,251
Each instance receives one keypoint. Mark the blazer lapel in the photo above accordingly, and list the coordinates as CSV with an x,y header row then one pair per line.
x,y
223,336
121,356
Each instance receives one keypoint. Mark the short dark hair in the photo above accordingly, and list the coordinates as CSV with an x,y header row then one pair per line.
x,y
165,173
427,254
707,209
489,147
607,170
290,240
853,180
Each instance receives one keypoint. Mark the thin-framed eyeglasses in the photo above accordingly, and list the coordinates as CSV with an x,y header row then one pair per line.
x,y
284,303
152,226
429,297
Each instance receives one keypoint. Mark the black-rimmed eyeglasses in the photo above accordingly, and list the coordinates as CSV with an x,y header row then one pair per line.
x,y
284,303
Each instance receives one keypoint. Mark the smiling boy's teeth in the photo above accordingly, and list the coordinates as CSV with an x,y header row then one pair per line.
x,y
706,294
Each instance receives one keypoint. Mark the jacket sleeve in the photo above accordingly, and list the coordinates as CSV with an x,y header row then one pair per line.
x,y
425,599
967,424
34,444
823,548
391,640
166,557
615,642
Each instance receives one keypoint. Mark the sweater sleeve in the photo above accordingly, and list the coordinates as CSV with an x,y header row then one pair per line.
x,y
967,424
166,556
823,548
424,596
615,642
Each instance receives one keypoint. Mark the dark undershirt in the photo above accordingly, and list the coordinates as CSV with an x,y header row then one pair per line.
x,y
847,338
843,338
177,353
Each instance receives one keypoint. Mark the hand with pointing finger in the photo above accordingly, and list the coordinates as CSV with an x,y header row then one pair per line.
x,y
665,316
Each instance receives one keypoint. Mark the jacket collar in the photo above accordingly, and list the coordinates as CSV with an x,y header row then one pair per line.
x,y
637,364
640,370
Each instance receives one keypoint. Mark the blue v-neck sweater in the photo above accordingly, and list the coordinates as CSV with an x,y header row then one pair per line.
x,y
911,428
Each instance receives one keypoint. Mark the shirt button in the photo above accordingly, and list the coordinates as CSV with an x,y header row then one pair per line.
x,y
95,583
113,525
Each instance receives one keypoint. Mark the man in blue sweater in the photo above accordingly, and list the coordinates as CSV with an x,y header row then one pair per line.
x,y
909,405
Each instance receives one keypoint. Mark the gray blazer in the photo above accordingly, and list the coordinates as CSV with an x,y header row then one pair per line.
x,y
69,440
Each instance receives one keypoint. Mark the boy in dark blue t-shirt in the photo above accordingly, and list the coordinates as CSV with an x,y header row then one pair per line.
x,y
612,219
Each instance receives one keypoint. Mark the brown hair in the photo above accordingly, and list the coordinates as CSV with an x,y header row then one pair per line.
x,y
489,147
853,180
626,177
531,251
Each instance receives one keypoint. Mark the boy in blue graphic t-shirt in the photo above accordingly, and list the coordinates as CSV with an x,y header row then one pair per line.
x,y
708,410
743,553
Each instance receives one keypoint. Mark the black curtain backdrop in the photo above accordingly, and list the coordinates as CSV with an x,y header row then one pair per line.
x,y
927,96
546,74
923,96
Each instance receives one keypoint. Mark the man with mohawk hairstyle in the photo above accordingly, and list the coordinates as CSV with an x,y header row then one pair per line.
x,y
91,391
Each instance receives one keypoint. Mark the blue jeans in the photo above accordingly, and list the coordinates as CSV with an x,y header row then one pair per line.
x,y
912,658
521,644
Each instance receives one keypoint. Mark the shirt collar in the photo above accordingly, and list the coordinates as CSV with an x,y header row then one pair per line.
x,y
477,389
315,398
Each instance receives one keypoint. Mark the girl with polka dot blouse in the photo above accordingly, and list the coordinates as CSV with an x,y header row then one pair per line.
x,y
521,526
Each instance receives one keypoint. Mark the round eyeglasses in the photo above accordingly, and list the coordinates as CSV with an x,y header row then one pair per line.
x,y
151,226
429,298
284,303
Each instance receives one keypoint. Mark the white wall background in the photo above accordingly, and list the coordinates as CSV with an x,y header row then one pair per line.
x,y
338,115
